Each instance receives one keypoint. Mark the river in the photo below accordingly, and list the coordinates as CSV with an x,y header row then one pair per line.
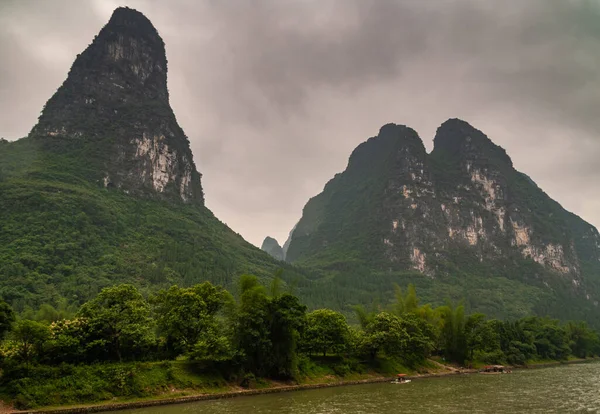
x,y
563,389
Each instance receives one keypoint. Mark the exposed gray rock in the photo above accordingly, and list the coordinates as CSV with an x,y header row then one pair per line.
x,y
286,245
271,246
113,111
397,207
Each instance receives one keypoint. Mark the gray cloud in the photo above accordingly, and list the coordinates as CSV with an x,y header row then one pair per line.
x,y
274,95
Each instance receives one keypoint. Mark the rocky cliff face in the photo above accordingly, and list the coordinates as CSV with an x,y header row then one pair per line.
x,y
286,245
495,210
271,246
395,207
113,110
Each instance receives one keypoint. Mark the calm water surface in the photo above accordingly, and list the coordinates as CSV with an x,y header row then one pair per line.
x,y
564,389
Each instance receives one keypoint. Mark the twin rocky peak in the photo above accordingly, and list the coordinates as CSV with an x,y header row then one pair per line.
x,y
113,110
395,206
398,207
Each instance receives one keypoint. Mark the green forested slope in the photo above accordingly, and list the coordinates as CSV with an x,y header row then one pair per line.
x,y
64,237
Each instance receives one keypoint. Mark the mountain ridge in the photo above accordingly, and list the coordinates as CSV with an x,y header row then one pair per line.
x,y
397,208
104,190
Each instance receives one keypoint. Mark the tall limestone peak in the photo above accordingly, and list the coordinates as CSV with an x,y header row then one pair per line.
x,y
110,125
391,141
383,172
113,112
271,246
457,138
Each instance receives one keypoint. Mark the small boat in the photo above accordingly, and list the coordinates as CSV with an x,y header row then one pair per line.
x,y
495,369
400,379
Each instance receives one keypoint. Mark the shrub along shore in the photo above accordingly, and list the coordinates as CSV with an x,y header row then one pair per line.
x,y
201,340
274,388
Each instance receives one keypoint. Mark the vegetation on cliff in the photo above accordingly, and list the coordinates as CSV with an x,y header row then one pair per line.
x,y
459,222
63,239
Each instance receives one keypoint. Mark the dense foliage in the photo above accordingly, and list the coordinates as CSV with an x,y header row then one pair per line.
x,y
63,239
262,333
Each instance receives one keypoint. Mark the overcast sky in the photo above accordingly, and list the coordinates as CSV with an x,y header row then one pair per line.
x,y
275,94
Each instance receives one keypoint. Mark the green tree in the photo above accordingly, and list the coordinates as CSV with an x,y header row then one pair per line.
x,y
268,329
7,318
30,337
287,316
184,315
550,339
119,319
408,303
475,333
252,327
68,339
48,313
356,341
452,333
582,340
420,339
364,317
212,347
517,343
385,333
326,331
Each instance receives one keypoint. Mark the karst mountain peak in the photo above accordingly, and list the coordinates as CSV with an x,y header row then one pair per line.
x,y
104,190
460,209
113,110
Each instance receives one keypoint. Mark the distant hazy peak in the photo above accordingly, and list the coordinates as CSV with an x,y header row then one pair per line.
x,y
271,246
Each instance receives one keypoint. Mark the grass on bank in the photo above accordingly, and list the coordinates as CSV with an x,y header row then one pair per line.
x,y
68,384
64,385
80,386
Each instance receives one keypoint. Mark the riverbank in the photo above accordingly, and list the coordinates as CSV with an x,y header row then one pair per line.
x,y
188,387
433,370
548,364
